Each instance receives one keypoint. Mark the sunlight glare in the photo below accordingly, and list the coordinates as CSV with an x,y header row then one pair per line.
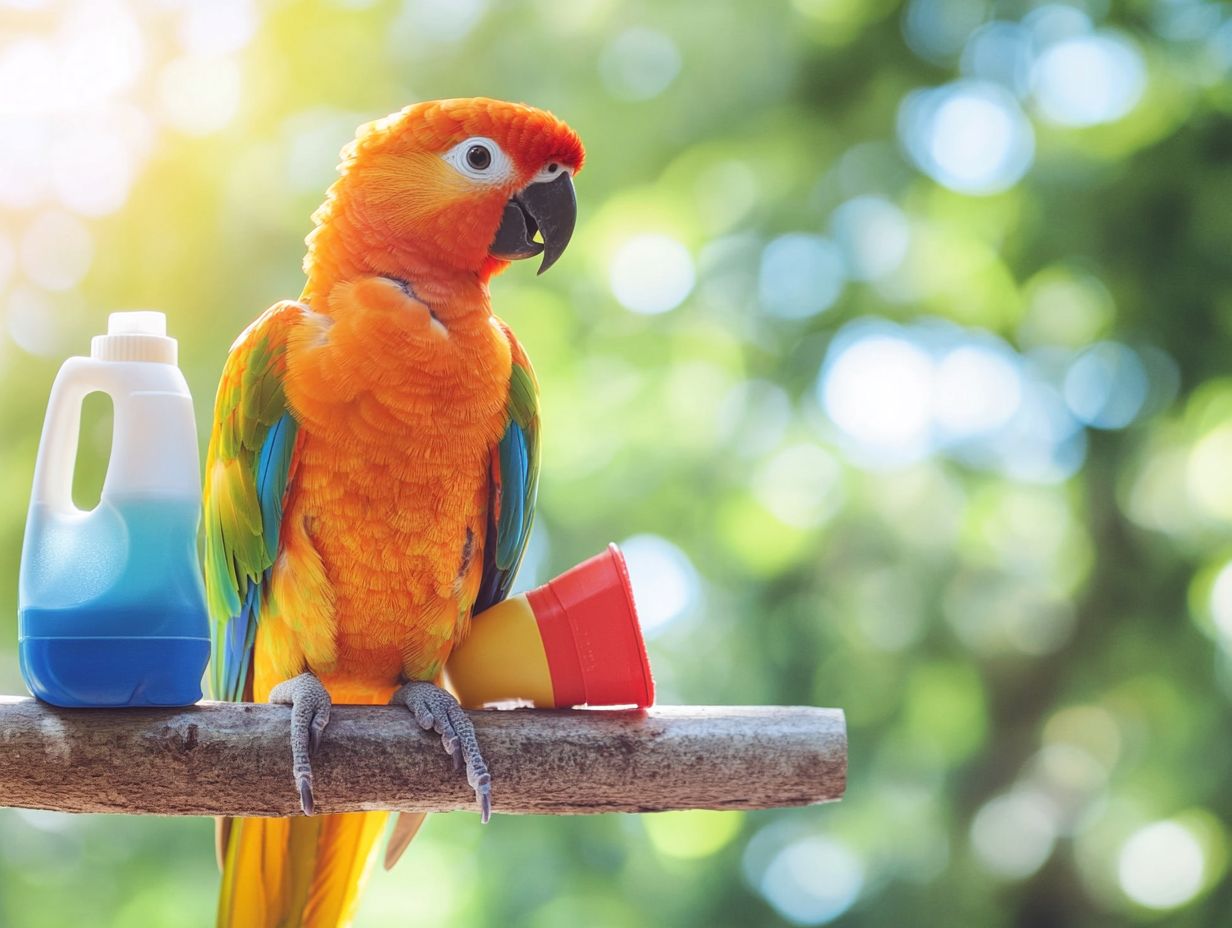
x,y
56,250
200,95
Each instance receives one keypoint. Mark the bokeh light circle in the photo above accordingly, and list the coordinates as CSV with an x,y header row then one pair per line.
x,y
813,880
1161,866
800,276
200,95
92,171
879,391
1088,79
1013,834
56,250
874,235
665,583
1106,386
970,136
978,389
1220,603
651,274
639,63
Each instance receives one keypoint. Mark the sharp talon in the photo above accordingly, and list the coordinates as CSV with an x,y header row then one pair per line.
x,y
436,709
309,702
484,795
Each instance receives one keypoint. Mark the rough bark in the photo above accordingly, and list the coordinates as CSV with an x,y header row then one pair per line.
x,y
235,759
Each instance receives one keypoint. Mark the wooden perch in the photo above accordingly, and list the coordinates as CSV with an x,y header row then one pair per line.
x,y
235,759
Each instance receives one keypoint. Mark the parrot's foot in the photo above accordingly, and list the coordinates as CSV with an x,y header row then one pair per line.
x,y
309,704
437,710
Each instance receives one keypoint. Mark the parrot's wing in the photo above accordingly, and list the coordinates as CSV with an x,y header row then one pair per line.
x,y
247,472
514,483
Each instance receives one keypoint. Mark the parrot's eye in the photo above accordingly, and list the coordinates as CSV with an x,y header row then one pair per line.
x,y
478,157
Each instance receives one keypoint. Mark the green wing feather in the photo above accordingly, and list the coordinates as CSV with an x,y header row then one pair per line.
x,y
247,472
515,484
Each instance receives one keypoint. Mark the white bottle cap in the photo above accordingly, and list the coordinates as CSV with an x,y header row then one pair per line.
x,y
137,336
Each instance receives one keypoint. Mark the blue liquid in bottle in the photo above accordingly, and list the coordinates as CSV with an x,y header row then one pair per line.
x,y
117,608
111,606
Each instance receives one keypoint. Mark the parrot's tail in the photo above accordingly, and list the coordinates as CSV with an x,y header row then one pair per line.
x,y
302,872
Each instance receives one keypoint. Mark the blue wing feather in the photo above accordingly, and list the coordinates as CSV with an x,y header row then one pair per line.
x,y
514,487
515,466
273,468
247,472
241,631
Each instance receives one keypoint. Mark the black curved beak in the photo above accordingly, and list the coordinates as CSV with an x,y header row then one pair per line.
x,y
547,208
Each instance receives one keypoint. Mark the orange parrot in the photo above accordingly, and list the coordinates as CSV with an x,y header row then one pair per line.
x,y
371,476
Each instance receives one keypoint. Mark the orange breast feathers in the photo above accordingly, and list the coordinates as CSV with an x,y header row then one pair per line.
x,y
386,512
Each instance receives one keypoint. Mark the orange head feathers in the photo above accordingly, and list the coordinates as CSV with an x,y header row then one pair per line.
x,y
444,189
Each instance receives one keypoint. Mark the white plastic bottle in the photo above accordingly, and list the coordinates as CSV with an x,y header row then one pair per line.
x,y
111,603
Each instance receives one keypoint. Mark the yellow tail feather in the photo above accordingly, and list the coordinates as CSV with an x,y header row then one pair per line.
x,y
303,872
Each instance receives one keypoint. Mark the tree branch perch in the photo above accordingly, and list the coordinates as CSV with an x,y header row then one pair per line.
x,y
235,759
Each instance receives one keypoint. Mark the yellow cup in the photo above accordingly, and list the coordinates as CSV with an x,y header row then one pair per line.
x,y
573,641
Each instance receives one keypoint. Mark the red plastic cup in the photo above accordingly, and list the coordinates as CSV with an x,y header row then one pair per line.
x,y
591,636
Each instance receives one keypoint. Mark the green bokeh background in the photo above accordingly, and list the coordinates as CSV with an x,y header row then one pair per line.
x,y
1034,666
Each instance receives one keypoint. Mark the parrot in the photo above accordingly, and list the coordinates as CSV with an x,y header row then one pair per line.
x,y
371,477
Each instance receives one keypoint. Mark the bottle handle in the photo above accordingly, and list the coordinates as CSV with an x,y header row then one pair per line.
x,y
57,454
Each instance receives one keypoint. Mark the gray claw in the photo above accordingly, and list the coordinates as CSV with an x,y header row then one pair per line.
x,y
310,706
305,794
435,709
483,792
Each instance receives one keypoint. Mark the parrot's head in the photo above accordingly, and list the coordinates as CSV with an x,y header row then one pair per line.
x,y
458,185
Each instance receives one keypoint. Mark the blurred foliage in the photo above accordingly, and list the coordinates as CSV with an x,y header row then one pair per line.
x,y
893,339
